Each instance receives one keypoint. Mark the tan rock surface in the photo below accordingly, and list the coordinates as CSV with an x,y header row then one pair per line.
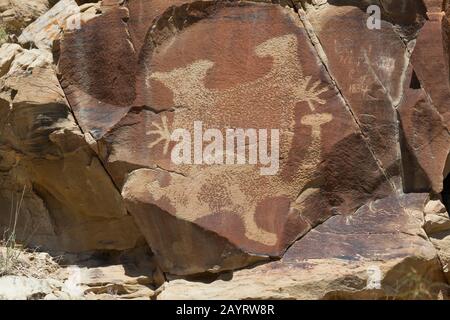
x,y
91,92
45,154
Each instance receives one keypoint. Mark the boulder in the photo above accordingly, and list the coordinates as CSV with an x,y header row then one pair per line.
x,y
368,67
285,86
424,112
260,149
378,253
424,140
66,15
437,227
51,178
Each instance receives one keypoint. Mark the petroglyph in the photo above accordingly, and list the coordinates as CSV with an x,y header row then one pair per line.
x,y
206,190
163,133
310,92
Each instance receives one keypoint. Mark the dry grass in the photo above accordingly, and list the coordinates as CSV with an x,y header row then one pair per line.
x,y
15,259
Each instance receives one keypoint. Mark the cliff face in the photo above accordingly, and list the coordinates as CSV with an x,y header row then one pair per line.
x,y
346,202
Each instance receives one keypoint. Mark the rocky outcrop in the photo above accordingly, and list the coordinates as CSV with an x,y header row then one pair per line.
x,y
424,113
64,16
437,226
69,201
107,275
17,14
266,220
359,256
348,205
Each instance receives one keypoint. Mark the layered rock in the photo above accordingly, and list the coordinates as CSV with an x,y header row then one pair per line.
x,y
437,227
379,252
50,175
66,15
368,67
278,77
424,113
17,14
361,114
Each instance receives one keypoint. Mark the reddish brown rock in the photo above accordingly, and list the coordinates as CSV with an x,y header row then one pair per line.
x,y
380,252
404,13
98,70
65,199
424,112
143,14
424,140
362,115
368,66
434,6
331,92
222,199
430,62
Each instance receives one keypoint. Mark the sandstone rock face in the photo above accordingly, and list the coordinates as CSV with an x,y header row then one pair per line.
x,y
265,219
437,226
278,77
117,122
69,201
23,288
357,256
424,113
17,14
368,66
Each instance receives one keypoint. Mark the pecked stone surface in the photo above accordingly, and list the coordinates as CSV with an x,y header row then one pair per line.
x,y
97,65
358,256
228,65
361,115
368,67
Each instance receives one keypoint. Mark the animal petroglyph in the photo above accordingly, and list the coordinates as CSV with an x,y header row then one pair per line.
x,y
310,92
238,190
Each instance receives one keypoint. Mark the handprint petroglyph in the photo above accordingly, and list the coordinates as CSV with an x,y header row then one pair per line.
x,y
239,189
163,133
310,92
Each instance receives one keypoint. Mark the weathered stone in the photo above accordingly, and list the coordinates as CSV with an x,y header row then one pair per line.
x,y
70,202
97,64
107,282
15,15
8,53
403,12
437,227
442,243
24,288
434,6
424,112
284,87
424,140
436,217
360,256
368,66
362,114
66,15
430,61
142,16
221,194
